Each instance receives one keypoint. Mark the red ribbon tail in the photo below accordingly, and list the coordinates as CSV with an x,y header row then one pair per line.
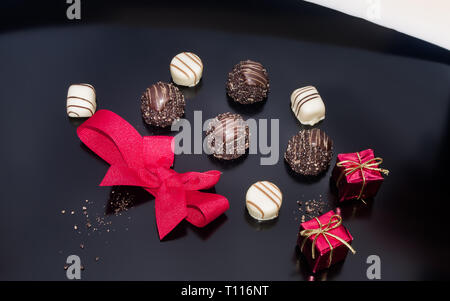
x,y
170,209
203,208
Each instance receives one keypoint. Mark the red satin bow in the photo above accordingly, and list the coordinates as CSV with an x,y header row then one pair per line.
x,y
145,162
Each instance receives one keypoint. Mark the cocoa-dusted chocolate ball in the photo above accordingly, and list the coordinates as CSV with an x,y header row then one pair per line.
x,y
162,104
227,136
309,152
248,82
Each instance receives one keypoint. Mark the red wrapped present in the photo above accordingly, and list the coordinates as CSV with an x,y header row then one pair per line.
x,y
358,175
324,241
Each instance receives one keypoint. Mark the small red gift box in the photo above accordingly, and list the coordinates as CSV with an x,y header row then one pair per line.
x,y
324,241
357,175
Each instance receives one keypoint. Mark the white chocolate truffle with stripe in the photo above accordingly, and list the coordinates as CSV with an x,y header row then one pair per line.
x,y
307,105
186,69
81,102
263,200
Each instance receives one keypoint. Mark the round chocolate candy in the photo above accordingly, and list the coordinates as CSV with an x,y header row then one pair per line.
x,y
263,200
186,69
227,136
248,82
309,152
162,104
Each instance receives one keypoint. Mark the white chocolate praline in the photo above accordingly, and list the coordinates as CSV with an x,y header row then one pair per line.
x,y
263,200
307,105
81,101
186,69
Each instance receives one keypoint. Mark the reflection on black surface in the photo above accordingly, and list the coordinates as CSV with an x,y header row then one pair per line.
x,y
190,92
204,233
301,265
350,208
227,164
122,198
303,268
178,232
76,122
259,225
356,208
301,178
250,109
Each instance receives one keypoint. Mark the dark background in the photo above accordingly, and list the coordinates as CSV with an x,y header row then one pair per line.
x,y
382,89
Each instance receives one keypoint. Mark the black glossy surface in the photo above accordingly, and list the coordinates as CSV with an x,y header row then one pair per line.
x,y
395,104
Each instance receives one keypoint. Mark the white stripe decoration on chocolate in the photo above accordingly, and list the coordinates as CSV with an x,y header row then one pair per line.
x,y
263,200
307,105
186,69
81,101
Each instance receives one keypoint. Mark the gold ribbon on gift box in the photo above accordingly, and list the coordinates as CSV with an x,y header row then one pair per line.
x,y
351,166
334,222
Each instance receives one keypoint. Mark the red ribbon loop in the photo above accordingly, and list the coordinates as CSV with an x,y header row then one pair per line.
x,y
146,162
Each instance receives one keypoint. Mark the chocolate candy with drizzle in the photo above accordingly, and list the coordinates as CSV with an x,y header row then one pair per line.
x,y
81,101
248,82
227,136
309,152
263,200
162,104
186,69
307,105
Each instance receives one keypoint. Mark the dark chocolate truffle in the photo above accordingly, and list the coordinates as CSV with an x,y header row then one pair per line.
x,y
162,104
227,136
309,152
248,82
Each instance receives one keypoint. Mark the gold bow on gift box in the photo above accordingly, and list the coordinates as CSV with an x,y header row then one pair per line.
x,y
351,166
334,222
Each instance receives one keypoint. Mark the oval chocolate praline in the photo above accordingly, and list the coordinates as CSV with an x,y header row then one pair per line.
x,y
162,104
309,152
248,82
227,136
